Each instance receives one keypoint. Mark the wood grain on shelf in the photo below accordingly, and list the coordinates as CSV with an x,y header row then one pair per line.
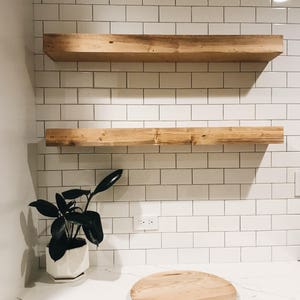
x,y
162,48
163,136
183,285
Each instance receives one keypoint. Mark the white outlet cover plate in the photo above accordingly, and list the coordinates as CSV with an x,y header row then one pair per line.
x,y
145,223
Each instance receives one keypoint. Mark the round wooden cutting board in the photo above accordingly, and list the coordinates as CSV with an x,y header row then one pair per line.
x,y
183,285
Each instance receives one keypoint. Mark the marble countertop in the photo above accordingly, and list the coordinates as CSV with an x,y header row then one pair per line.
x,y
253,281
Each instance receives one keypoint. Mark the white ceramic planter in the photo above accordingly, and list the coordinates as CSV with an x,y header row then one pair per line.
x,y
71,265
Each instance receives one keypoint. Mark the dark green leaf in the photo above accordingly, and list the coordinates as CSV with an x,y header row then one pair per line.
x,y
108,181
75,193
70,204
58,247
58,228
61,203
93,229
45,208
77,218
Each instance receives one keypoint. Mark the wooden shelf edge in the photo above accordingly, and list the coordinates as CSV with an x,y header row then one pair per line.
x,y
163,136
162,48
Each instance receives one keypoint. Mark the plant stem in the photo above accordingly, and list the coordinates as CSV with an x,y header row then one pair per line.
x,y
89,198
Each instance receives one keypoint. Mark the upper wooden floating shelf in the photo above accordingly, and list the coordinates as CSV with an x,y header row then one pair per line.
x,y
163,136
162,48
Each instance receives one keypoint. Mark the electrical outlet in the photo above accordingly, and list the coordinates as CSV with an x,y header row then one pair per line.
x,y
146,223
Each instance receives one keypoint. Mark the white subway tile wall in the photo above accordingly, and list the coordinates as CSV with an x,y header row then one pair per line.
x,y
224,203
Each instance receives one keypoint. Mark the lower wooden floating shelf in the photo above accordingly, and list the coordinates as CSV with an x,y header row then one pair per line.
x,y
163,136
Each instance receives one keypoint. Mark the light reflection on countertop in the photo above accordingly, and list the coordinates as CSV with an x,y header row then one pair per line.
x,y
253,281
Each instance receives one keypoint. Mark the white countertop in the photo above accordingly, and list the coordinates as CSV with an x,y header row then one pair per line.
x,y
255,281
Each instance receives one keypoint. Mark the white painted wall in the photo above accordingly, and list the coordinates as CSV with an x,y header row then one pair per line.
x,y
16,133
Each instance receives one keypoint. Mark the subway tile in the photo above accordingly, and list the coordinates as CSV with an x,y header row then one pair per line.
x,y
208,208
175,80
144,177
207,14
143,80
192,224
239,175
207,176
223,96
176,208
256,95
45,12
110,112
209,239
167,224
191,28
93,96
176,240
271,79
76,79
115,242
61,162
161,192
129,257
239,14
47,112
110,80
224,192
77,112
239,207
113,209
271,15
270,175
242,112
224,223
205,112
109,13
271,238
145,208
239,80
93,27
223,160
193,256
225,255
76,12
94,161
240,239
256,191
256,254
191,160
145,240
249,223
192,192
159,28
222,28
161,256
126,27
175,112
207,80
47,79
142,13
82,177
143,112
174,14
159,96
173,176
60,96
250,28
129,193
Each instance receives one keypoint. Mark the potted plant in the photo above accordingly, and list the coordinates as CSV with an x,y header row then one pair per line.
x,y
67,254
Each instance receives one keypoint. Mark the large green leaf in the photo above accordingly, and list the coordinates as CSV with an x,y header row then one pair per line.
x,y
61,203
58,247
77,218
75,193
58,228
93,229
108,181
45,208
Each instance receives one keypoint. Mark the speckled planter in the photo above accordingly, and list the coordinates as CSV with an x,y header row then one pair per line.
x,y
71,265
